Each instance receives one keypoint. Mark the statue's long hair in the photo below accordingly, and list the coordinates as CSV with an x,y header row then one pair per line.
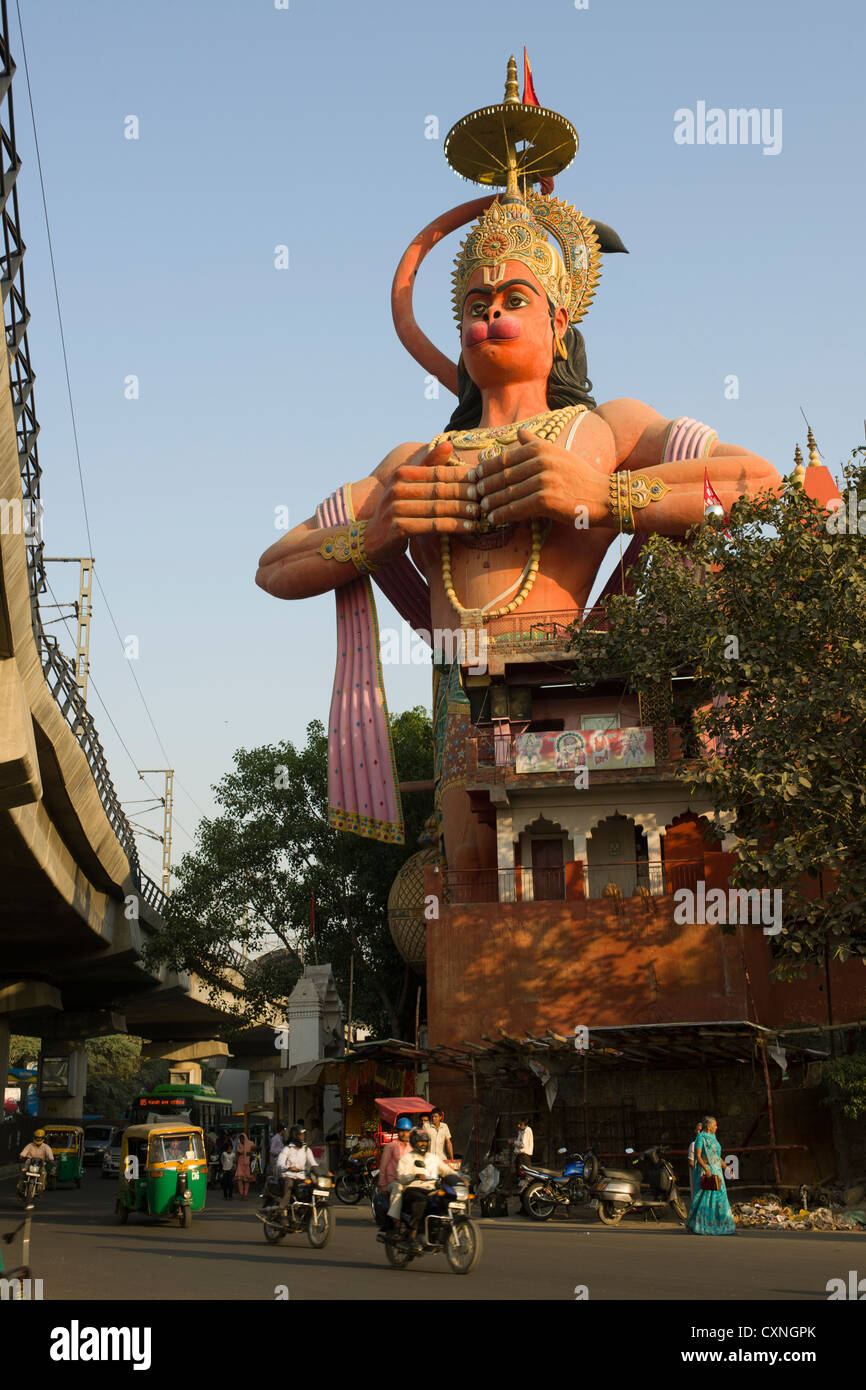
x,y
567,384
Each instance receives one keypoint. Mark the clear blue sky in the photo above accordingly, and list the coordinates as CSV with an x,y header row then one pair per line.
x,y
261,126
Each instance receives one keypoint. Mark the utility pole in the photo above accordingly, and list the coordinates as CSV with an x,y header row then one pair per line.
x,y
168,805
82,613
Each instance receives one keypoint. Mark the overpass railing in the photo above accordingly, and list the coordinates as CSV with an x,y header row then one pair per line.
x,y
60,678
58,671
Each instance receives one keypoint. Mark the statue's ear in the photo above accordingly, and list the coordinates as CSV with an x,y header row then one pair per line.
x,y
608,239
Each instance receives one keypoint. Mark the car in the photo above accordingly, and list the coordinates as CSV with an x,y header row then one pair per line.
x,y
111,1155
96,1141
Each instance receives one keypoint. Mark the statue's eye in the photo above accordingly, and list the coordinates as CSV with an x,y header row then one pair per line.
x,y
517,301
477,308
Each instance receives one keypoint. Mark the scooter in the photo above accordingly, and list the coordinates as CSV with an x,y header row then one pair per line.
x,y
619,1193
542,1190
446,1226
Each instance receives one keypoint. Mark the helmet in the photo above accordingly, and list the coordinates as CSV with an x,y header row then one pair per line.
x,y
404,1124
39,1135
297,1134
420,1140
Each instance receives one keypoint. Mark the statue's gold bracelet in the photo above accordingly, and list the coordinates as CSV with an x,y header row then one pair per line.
x,y
348,545
630,491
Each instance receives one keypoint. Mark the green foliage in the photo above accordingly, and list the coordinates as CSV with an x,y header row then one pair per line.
x,y
770,625
847,1076
23,1050
250,882
117,1073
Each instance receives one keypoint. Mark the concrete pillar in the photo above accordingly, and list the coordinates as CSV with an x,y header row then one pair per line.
x,y
505,854
5,1032
62,1080
654,853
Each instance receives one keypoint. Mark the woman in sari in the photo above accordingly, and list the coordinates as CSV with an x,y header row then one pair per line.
x,y
245,1150
710,1212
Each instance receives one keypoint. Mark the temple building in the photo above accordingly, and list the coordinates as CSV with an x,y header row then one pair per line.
x,y
562,982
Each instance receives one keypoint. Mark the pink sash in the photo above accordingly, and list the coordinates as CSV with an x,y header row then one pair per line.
x,y
363,790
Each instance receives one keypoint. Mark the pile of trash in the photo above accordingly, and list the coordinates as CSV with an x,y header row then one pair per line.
x,y
830,1212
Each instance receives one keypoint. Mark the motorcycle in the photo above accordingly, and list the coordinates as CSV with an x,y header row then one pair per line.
x,y
619,1193
356,1178
542,1190
306,1209
32,1181
446,1227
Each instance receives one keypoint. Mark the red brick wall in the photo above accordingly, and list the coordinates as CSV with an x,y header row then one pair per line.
x,y
525,967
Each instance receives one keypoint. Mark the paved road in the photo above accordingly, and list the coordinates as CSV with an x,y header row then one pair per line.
x,y
80,1252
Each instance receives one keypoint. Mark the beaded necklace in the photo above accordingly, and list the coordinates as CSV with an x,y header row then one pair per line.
x,y
548,425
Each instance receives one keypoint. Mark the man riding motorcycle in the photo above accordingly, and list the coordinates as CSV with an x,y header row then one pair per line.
x,y
37,1148
417,1172
295,1162
388,1187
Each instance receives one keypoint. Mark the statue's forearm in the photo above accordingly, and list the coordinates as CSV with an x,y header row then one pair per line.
x,y
731,475
294,567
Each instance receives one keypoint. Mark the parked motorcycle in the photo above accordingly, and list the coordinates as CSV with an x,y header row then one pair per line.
x,y
446,1227
542,1190
356,1178
32,1181
619,1193
306,1209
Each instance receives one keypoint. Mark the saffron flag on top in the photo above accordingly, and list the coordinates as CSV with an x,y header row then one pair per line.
x,y
529,98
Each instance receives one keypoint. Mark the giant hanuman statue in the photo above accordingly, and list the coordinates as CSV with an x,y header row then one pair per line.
x,y
515,504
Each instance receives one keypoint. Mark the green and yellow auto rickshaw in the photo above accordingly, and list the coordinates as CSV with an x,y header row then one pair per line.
x,y
67,1144
163,1171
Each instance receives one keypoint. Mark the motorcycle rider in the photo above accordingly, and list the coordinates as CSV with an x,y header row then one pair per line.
x,y
417,1172
295,1162
37,1148
388,1187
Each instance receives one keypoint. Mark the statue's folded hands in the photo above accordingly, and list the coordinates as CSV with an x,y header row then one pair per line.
x,y
539,479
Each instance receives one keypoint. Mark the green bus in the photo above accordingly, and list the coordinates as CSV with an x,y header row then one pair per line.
x,y
198,1105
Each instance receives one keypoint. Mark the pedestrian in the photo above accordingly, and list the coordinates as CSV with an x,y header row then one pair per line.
x,y
524,1143
698,1129
245,1150
440,1135
227,1164
275,1148
710,1212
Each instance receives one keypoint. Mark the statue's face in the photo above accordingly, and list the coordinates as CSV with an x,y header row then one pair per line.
x,y
506,333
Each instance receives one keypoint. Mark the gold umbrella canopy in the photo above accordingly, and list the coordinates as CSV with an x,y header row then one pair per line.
x,y
510,145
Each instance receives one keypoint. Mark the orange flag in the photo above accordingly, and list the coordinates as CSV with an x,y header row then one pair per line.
x,y
529,98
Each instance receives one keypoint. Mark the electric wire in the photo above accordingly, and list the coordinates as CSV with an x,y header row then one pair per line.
x,y
72,409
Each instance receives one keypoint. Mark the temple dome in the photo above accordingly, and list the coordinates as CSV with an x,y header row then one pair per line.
x,y
406,909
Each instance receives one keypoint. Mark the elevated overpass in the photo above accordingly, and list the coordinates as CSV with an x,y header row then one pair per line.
x,y
75,907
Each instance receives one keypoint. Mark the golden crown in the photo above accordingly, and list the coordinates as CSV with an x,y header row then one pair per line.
x,y
517,144
568,269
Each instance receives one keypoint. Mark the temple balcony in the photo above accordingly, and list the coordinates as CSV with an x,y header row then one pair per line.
x,y
640,879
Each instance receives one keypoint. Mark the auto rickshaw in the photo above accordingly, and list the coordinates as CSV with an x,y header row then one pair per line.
x,y
67,1145
163,1171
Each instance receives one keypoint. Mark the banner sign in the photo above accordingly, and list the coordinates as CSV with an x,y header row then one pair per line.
x,y
605,750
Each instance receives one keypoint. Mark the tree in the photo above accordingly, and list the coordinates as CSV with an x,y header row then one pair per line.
x,y
770,627
117,1073
257,867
